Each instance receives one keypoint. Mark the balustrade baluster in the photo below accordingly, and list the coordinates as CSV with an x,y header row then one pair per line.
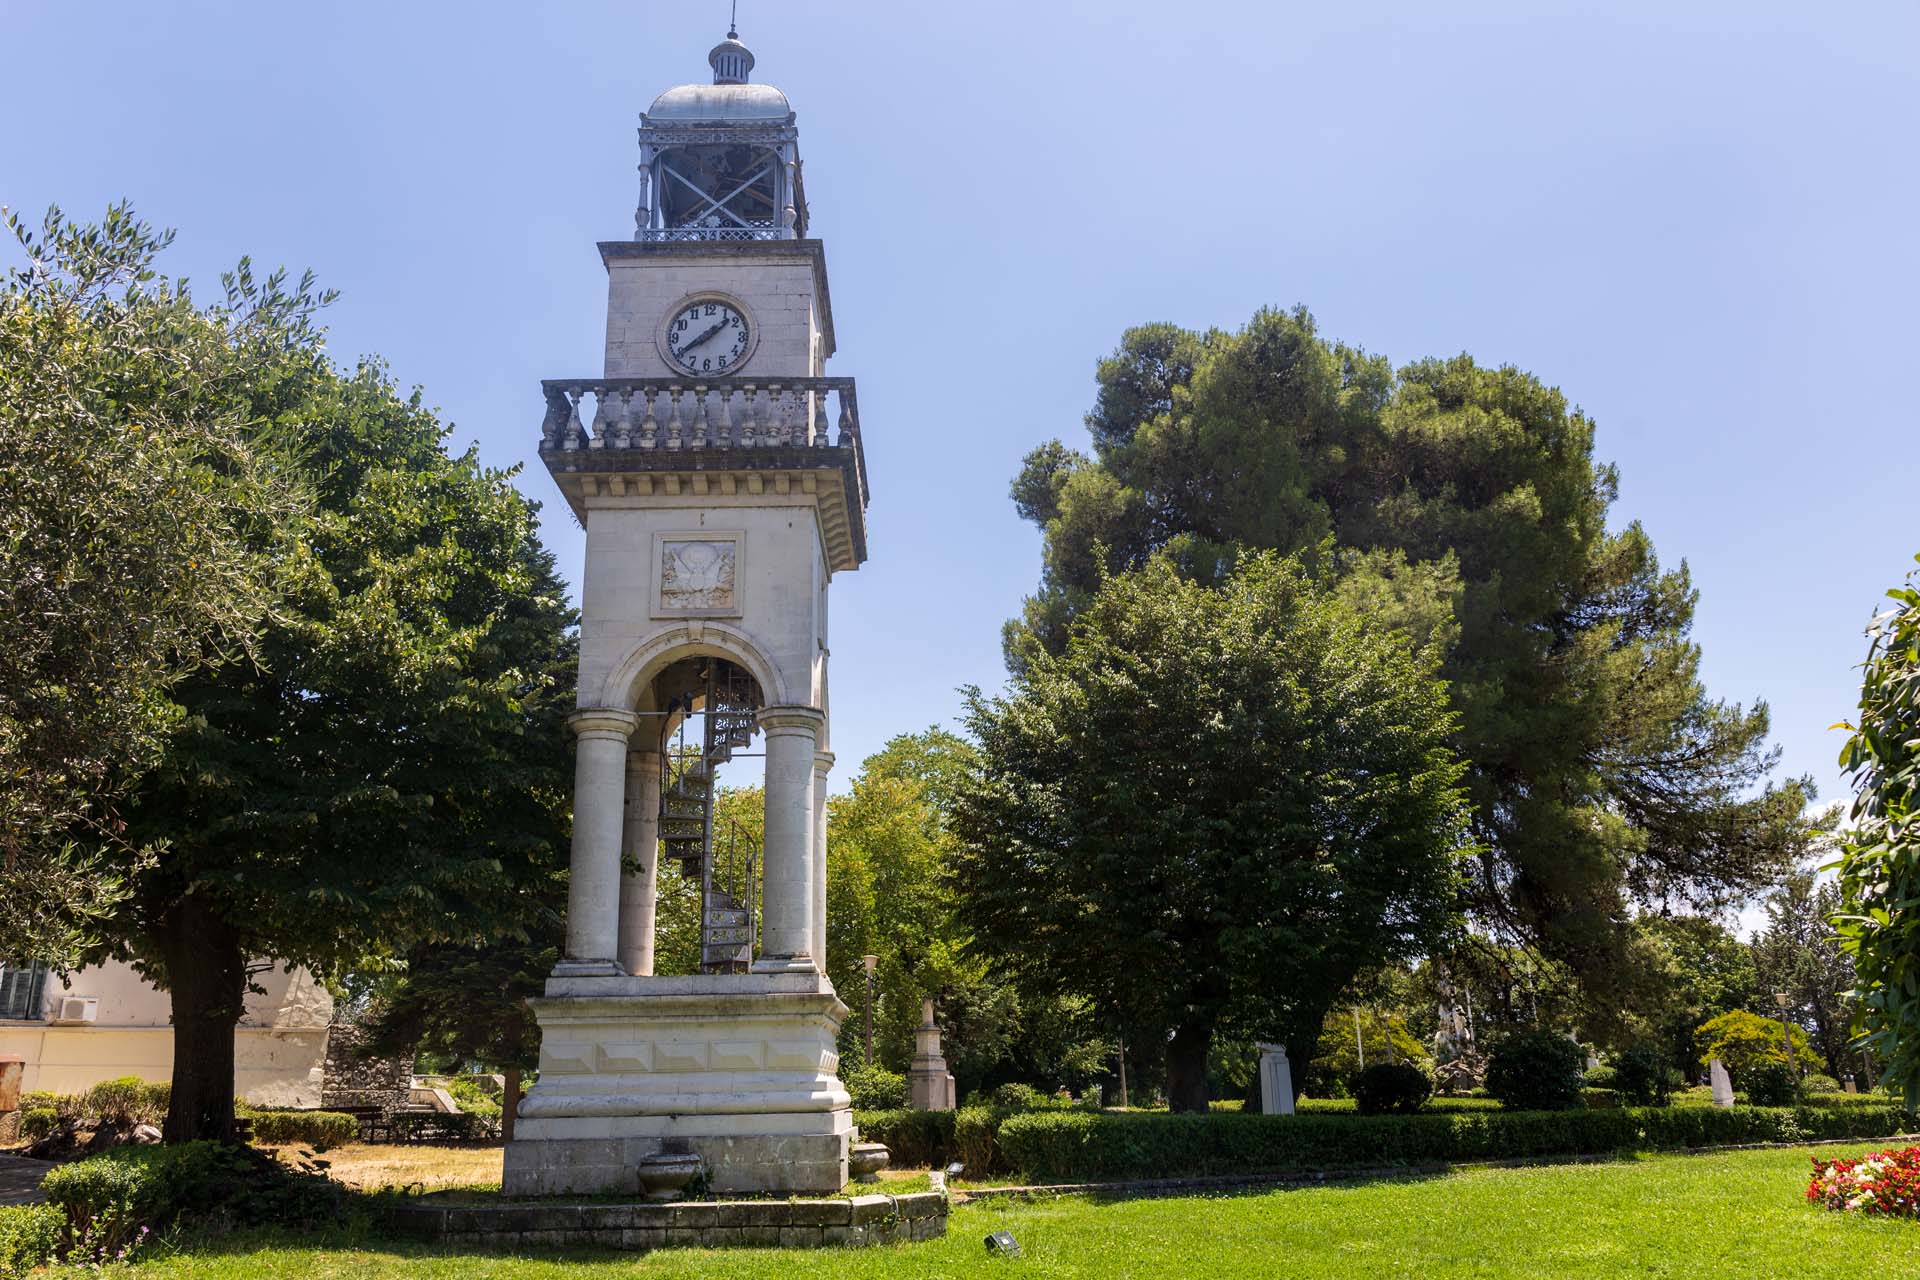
x,y
770,424
622,418
555,420
576,433
822,437
723,423
749,394
846,420
699,415
602,417
673,422
649,427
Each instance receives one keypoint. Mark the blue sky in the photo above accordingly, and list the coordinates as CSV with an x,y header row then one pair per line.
x,y
1698,220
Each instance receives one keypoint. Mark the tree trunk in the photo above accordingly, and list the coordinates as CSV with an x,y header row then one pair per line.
x,y
207,978
1187,1067
1250,1103
509,1104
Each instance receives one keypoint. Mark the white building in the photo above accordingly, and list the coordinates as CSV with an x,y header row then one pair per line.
x,y
107,1021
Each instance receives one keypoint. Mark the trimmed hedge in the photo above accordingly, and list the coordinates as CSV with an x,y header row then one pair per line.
x,y
938,1138
1078,1146
316,1129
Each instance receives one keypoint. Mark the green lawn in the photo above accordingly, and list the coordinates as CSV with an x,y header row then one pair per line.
x,y
1732,1215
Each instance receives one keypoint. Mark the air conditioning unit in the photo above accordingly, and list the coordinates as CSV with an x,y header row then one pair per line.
x,y
72,1011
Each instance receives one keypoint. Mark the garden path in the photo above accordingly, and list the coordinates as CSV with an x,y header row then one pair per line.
x,y
20,1179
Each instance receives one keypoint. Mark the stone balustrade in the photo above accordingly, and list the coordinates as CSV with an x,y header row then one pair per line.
x,y
681,414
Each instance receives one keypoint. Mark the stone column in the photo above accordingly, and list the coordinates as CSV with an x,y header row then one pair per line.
x,y
593,889
640,863
1276,1080
822,765
786,926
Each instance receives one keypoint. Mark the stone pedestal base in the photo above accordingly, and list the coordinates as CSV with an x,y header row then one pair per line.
x,y
737,1068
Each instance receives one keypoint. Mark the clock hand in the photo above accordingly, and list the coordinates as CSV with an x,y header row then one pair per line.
x,y
703,337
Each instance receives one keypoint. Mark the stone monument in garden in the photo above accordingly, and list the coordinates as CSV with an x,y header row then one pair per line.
x,y
718,473
929,1083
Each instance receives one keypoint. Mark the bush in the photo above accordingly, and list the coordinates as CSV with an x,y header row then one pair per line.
x,y
1537,1071
1818,1084
1391,1086
29,1236
1602,1077
913,1138
316,1129
1771,1084
875,1088
1019,1097
1078,1146
1641,1076
38,1123
474,1095
122,1103
114,1201
103,1205
933,1139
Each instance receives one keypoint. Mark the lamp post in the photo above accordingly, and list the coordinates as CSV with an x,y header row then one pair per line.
x,y
869,963
1782,999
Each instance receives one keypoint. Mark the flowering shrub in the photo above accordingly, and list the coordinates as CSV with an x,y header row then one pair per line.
x,y
1886,1182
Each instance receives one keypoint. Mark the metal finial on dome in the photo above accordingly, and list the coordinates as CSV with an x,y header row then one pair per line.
x,y
731,60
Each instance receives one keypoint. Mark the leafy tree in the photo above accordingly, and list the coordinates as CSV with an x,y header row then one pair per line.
x,y
1798,953
1879,866
141,518
1210,809
887,849
1466,503
1743,1040
385,767
1693,969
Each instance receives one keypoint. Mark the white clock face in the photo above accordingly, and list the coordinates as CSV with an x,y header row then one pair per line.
x,y
708,336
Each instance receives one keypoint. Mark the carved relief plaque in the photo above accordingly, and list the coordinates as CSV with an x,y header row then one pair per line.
x,y
698,575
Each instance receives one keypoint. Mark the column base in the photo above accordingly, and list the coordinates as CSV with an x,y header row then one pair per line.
x,y
785,964
587,969
738,1068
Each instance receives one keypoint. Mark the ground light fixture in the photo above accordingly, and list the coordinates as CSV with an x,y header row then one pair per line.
x,y
1001,1244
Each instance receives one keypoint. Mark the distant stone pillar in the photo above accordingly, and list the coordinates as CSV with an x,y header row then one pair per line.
x,y
640,863
929,1087
822,765
1276,1080
1722,1083
599,821
786,928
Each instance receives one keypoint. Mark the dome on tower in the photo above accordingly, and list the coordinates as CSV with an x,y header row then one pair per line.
x,y
730,97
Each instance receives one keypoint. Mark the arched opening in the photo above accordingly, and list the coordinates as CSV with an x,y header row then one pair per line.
x,y
708,708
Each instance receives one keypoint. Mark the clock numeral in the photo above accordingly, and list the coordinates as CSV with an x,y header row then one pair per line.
x,y
724,361
707,363
711,308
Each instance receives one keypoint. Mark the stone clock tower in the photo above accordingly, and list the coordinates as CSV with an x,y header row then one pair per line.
x,y
718,473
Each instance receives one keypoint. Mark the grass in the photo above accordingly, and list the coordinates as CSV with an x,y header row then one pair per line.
x,y
1737,1214
369,1167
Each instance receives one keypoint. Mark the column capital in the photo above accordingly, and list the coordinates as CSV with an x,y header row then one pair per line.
x,y
603,722
792,719
823,762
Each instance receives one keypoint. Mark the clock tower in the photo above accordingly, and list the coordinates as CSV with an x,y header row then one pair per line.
x,y
718,472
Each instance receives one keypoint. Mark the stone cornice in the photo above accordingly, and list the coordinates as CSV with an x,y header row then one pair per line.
x,y
825,477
